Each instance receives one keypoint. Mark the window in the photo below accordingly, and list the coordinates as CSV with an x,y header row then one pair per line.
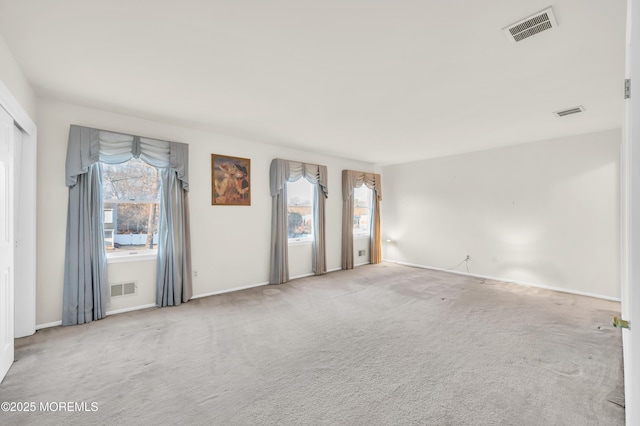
x,y
131,194
362,198
300,197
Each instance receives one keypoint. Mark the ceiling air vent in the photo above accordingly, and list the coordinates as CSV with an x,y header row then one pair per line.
x,y
530,26
569,111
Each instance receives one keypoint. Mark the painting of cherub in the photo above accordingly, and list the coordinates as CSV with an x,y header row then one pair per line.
x,y
230,181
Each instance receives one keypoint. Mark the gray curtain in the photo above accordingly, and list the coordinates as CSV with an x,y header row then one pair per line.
x,y
85,268
352,179
281,172
278,176
174,284
87,148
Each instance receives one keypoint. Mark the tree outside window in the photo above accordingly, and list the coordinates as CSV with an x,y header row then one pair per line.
x,y
131,194
300,210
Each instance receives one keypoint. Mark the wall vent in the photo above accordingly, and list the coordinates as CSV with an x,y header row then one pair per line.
x,y
123,289
531,26
569,111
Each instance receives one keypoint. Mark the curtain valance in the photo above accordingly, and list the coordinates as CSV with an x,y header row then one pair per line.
x,y
283,171
353,179
88,146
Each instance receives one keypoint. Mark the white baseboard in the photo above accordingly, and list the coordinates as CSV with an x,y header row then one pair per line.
x,y
117,311
311,274
213,293
48,325
133,308
197,296
505,280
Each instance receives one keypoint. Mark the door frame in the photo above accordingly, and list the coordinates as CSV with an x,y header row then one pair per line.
x,y
25,251
630,215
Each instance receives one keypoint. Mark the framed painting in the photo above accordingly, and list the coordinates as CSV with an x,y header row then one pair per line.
x,y
230,181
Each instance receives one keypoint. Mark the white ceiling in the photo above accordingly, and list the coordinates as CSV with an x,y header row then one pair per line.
x,y
384,81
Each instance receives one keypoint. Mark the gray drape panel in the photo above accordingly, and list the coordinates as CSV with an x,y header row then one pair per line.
x,y
281,172
352,179
85,269
86,149
174,284
278,176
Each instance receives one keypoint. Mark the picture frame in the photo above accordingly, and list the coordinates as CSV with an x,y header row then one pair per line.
x,y
230,181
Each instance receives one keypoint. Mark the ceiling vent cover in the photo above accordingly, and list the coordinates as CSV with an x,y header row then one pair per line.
x,y
569,111
531,26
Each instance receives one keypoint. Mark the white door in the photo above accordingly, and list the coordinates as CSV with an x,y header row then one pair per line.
x,y
631,267
6,242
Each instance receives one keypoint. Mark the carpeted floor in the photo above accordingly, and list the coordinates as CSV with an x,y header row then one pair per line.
x,y
380,345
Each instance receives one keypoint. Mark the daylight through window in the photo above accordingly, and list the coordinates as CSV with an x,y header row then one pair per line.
x,y
300,210
362,198
131,194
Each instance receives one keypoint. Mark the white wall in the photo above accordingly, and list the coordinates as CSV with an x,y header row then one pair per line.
x,y
361,243
143,273
544,213
230,245
13,78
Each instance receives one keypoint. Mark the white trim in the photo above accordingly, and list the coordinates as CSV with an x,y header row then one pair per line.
x,y
363,236
310,274
199,296
361,264
524,283
25,255
131,257
303,241
630,229
214,293
48,325
134,308
13,107
117,311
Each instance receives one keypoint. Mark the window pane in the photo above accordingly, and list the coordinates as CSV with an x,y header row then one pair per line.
x,y
361,210
131,205
134,180
133,226
300,209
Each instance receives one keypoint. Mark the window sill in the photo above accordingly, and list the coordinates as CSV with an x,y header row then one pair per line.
x,y
361,236
123,257
300,241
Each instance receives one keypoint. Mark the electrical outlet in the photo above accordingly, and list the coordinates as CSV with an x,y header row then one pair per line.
x,y
195,273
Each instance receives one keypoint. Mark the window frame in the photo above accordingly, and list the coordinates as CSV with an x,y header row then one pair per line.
x,y
309,239
123,256
363,234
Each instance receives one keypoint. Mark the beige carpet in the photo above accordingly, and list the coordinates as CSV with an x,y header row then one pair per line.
x,y
380,345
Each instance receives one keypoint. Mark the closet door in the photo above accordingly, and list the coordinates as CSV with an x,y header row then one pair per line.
x,y
6,242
